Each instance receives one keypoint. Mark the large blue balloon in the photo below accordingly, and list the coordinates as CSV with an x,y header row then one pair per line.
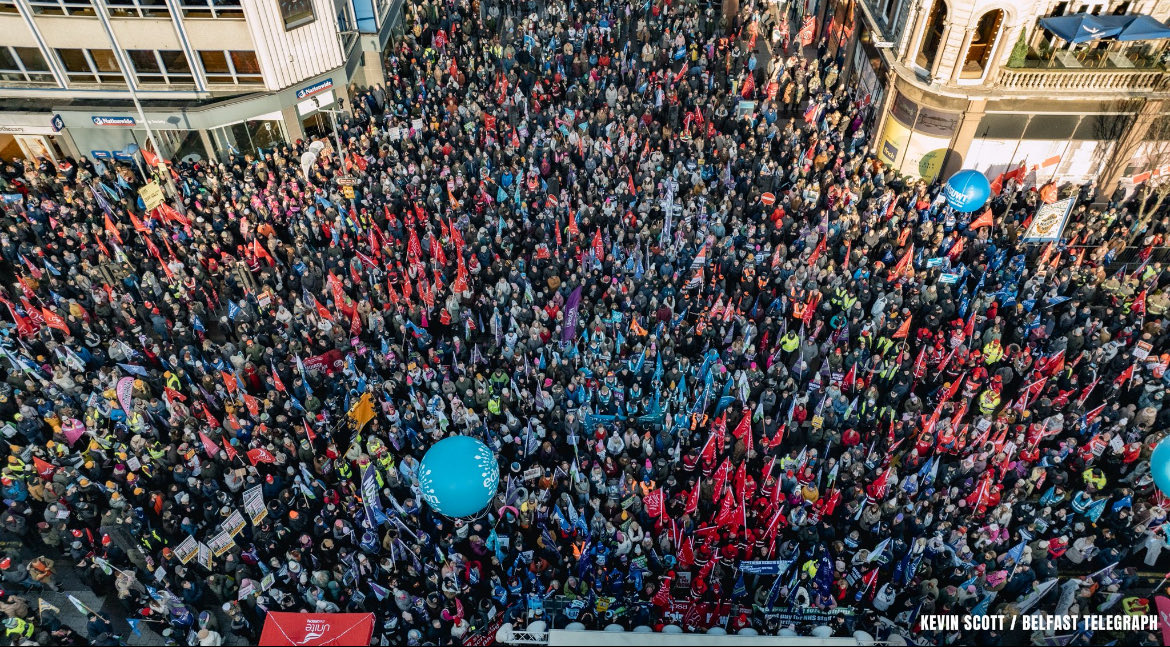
x,y
1160,466
458,476
968,190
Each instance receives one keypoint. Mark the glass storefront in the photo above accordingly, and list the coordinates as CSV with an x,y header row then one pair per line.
x,y
245,137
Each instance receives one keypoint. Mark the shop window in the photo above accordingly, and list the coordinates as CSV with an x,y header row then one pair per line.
x,y
138,8
1002,126
230,67
1052,127
212,8
62,7
24,65
982,45
932,35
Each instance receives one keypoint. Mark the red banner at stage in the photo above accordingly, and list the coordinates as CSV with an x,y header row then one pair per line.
x,y
317,629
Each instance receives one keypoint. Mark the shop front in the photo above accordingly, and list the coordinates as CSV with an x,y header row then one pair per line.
x,y
33,136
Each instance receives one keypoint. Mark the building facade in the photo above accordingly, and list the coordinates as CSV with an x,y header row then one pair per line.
x,y
212,76
982,84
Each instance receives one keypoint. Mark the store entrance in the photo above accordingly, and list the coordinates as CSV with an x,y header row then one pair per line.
x,y
316,126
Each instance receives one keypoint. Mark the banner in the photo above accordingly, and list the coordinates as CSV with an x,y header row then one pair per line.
x,y
486,635
317,628
1164,617
125,391
695,616
775,567
328,361
1049,221
572,304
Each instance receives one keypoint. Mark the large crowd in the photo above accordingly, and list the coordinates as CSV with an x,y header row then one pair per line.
x,y
696,337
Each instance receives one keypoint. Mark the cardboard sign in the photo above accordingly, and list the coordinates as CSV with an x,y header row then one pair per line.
x,y
204,555
152,195
187,550
533,473
234,524
255,508
1142,350
221,543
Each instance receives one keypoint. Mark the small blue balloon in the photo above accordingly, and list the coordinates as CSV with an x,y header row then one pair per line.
x,y
1160,466
458,476
967,190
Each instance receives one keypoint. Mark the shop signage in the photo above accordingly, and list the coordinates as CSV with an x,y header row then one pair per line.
x,y
101,155
113,121
57,123
125,156
316,88
883,44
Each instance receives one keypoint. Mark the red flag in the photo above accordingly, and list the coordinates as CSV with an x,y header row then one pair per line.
x,y
721,477
112,230
437,252
260,455
903,330
229,381
252,404
1125,376
878,489
355,325
903,263
654,503
720,430
997,185
261,252
598,245
573,230
322,311
693,499
375,245
54,320
1092,415
209,445
984,220
276,381
414,247
1138,305
227,447
850,378
308,430
210,418
172,394
744,427
44,469
817,251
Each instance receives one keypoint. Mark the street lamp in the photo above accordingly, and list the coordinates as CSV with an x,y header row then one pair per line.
x,y
124,67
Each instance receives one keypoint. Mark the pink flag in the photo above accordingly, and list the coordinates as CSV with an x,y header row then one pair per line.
x,y
125,391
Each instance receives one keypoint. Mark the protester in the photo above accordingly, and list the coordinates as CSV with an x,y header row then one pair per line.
x,y
696,336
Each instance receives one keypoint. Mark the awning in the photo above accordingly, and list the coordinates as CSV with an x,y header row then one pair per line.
x,y
1080,28
1143,27
1084,27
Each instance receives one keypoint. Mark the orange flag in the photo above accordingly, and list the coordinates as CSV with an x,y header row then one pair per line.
x,y
984,220
903,330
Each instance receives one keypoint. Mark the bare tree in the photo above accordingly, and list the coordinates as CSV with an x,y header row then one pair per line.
x,y
1152,193
1113,127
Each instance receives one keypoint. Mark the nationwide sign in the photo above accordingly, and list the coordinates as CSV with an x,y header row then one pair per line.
x,y
113,121
316,88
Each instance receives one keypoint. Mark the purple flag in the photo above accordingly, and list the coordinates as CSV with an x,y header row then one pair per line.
x,y
571,306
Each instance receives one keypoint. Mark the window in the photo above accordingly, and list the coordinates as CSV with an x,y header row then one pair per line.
x,y
1001,126
932,36
8,6
138,8
982,45
91,66
24,64
1121,9
165,67
1052,127
62,7
891,10
212,8
230,67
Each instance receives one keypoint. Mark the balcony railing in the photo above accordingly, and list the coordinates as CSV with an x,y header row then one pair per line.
x,y
1085,80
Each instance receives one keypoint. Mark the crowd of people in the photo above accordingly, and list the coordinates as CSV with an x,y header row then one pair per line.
x,y
698,338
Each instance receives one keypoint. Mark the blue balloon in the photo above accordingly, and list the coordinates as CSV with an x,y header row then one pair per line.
x,y
1160,466
458,476
967,190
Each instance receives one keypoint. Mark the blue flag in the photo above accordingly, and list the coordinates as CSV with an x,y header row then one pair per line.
x,y
233,310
